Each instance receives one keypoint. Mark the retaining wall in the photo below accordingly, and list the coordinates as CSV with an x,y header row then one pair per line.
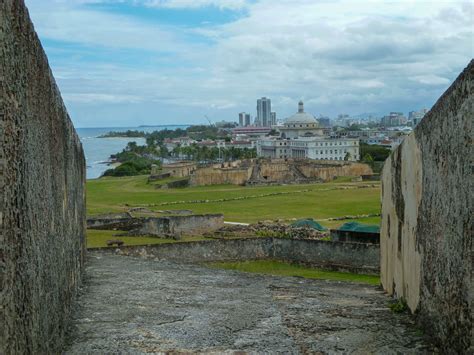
x,y
353,257
426,230
42,199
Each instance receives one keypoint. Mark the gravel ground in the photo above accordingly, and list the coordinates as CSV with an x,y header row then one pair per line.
x,y
132,305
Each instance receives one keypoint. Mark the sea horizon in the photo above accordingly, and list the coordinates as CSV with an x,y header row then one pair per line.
x,y
98,150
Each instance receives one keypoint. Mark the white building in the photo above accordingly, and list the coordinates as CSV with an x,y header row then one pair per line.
x,y
319,148
301,124
301,137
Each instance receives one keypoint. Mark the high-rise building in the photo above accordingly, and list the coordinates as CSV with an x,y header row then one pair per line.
x,y
247,119
244,119
241,119
264,109
274,119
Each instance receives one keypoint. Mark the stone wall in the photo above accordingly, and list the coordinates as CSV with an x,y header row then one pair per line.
x,y
219,176
278,171
189,225
353,257
327,171
426,230
42,200
158,226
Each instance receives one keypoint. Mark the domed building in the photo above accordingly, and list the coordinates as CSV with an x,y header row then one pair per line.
x,y
301,137
301,124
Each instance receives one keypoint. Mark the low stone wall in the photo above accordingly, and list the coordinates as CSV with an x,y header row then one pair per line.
x,y
354,257
426,229
192,224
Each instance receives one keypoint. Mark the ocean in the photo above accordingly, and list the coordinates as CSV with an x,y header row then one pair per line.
x,y
98,150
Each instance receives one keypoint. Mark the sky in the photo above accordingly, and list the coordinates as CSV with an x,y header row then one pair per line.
x,y
158,62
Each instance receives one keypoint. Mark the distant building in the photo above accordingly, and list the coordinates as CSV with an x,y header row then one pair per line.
x,y
251,131
301,124
301,137
416,116
244,119
264,109
247,119
319,148
273,119
394,119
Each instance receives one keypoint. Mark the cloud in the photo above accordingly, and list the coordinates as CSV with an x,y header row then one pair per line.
x,y
193,4
339,56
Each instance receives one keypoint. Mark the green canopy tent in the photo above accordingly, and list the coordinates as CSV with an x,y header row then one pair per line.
x,y
359,227
308,223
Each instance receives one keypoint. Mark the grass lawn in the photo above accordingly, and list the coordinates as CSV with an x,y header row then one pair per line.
x,y
279,268
323,201
98,238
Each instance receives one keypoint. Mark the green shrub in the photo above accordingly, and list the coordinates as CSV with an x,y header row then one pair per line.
x,y
399,306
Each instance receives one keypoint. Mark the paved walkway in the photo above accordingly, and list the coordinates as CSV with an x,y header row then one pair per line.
x,y
132,305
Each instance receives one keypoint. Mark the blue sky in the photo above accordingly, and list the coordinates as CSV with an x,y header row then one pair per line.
x,y
125,63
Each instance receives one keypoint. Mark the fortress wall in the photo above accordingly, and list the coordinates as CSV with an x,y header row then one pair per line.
x,y
327,173
213,176
276,170
426,230
42,198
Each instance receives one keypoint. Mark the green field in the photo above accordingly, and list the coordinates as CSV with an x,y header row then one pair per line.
x,y
279,268
322,201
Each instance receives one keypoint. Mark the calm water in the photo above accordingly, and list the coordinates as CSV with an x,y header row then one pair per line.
x,y
98,150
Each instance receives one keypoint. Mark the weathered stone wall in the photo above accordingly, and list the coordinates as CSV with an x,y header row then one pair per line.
x,y
278,171
183,169
354,257
426,231
42,200
190,225
218,176
328,171
159,226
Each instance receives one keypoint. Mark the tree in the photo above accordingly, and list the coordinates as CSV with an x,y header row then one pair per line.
x,y
347,156
367,158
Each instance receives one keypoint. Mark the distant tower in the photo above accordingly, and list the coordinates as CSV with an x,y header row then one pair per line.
x,y
300,107
274,118
264,109
241,119
247,119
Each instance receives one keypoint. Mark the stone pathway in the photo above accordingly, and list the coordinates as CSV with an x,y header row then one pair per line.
x,y
131,305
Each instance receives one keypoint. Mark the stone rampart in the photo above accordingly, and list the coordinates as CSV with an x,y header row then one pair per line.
x,y
42,199
426,230
218,176
327,171
353,257
277,171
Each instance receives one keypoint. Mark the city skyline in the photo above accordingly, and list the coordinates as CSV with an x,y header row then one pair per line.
x,y
146,62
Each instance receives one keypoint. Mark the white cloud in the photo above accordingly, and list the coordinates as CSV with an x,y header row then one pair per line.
x,y
339,56
192,4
